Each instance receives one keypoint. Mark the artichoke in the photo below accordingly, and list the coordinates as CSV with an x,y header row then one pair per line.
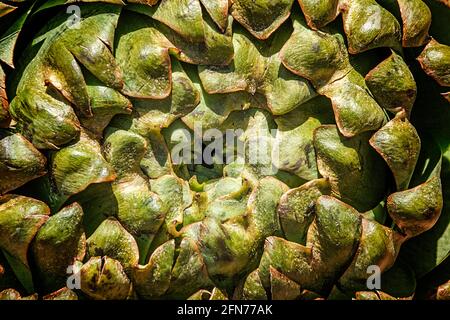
x,y
128,167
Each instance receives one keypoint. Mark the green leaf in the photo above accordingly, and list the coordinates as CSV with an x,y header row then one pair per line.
x,y
392,84
55,3
151,116
20,219
283,288
22,272
318,56
258,68
399,145
354,108
58,244
218,10
252,14
153,279
20,162
433,246
319,13
142,54
103,278
435,61
350,162
177,196
189,272
368,26
252,289
194,37
296,209
182,16
76,167
6,9
5,118
416,18
9,38
112,240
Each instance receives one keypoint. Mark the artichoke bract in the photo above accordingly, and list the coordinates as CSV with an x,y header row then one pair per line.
x,y
215,149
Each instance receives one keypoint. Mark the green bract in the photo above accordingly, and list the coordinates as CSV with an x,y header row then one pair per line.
x,y
215,149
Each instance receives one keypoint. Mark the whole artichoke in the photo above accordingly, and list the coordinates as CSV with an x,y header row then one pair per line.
x,y
216,149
